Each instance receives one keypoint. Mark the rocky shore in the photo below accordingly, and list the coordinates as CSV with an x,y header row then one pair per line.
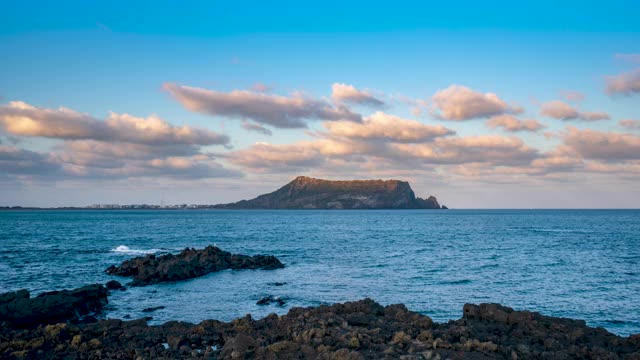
x,y
21,310
64,325
353,330
188,264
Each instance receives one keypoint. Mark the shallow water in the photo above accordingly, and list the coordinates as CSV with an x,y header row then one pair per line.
x,y
573,263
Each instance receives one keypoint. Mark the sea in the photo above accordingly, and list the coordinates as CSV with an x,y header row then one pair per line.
x,y
581,264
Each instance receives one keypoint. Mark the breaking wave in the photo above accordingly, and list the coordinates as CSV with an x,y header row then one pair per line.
x,y
123,249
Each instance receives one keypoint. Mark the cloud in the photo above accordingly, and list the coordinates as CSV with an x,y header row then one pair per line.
x,y
274,110
249,126
21,119
556,163
634,58
121,146
98,149
382,126
560,110
349,94
489,149
626,83
513,124
15,161
259,87
462,103
329,154
599,145
96,159
277,158
630,124
573,96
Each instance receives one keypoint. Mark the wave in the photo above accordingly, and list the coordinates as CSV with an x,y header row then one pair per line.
x,y
552,230
456,282
123,249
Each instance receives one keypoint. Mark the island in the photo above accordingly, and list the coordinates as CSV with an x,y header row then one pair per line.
x,y
310,193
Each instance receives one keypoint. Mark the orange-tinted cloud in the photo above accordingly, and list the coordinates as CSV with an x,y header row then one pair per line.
x,y
601,145
462,103
627,83
630,124
513,124
21,119
275,110
386,127
350,94
560,110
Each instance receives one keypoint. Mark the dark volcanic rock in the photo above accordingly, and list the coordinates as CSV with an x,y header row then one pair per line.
x,y
353,330
309,193
271,300
151,309
19,309
114,285
190,263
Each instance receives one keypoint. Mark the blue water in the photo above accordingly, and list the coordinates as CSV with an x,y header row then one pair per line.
x,y
573,263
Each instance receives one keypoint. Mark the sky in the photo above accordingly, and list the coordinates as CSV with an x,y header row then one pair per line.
x,y
481,104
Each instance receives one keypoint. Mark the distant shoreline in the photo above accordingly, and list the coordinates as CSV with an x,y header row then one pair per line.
x,y
213,207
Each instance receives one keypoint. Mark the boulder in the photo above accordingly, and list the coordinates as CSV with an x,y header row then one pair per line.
x,y
21,310
114,285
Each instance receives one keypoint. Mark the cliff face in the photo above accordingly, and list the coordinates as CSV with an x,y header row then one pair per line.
x,y
309,193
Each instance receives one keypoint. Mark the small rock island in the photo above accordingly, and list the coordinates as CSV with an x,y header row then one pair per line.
x,y
188,264
310,193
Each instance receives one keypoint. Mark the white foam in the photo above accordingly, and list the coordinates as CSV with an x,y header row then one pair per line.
x,y
123,249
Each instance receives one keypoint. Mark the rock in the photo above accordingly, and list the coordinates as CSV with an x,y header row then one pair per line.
x,y
114,285
76,341
400,338
52,307
188,264
309,193
271,299
13,296
150,309
277,283
352,330
176,341
238,346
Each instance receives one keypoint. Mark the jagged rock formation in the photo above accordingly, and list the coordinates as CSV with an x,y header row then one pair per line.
x,y
309,193
188,264
353,330
21,310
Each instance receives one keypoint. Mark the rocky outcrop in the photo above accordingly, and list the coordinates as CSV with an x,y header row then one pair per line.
x,y
188,264
309,193
21,310
353,330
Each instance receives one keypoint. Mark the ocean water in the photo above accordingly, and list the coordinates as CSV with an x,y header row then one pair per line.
x,y
581,264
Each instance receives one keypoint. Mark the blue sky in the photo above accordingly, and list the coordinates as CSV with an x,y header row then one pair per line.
x,y
117,57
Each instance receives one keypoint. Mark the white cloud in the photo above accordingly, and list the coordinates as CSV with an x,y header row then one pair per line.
x,y
349,94
274,110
